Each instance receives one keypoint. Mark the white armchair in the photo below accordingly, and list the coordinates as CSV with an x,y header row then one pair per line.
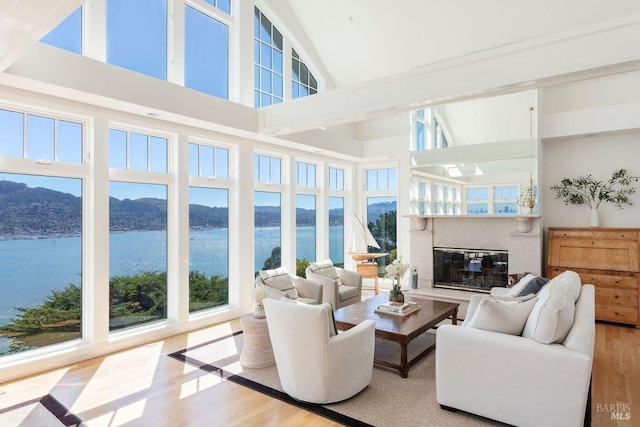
x,y
282,284
517,379
340,287
314,366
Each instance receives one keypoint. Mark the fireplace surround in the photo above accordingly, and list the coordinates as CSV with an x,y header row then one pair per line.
x,y
484,234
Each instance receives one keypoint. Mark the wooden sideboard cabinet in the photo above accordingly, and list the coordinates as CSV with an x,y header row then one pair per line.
x,y
605,257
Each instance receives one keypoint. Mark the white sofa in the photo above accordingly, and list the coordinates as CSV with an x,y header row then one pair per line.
x,y
519,380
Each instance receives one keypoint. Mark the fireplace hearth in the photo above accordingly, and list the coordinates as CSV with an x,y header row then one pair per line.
x,y
469,269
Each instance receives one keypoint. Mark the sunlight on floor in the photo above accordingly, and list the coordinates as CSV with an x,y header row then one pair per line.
x,y
192,387
129,413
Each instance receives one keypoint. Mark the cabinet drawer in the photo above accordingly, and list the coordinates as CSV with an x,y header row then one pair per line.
x,y
609,281
600,279
617,314
617,297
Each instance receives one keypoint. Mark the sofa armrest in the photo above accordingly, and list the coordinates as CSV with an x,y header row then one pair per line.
x,y
350,278
352,350
510,378
308,288
498,291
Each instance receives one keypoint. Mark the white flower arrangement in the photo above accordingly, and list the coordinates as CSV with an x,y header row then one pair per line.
x,y
259,293
395,271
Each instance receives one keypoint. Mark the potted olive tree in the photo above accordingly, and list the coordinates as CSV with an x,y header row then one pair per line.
x,y
585,190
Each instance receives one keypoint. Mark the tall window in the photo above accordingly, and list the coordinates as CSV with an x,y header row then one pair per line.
x,y
382,209
302,83
68,34
137,254
336,229
208,248
268,212
336,215
206,62
137,36
305,211
267,238
305,227
41,268
138,225
41,238
268,58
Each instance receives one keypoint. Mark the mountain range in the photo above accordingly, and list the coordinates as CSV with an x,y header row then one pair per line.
x,y
40,212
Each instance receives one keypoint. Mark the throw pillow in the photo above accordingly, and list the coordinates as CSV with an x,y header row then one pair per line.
x,y
475,300
326,269
506,317
533,286
518,287
279,279
552,317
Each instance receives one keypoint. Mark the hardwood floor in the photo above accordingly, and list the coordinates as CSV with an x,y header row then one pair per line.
x,y
143,387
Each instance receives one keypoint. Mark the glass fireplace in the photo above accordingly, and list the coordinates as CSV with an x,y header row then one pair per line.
x,y
470,269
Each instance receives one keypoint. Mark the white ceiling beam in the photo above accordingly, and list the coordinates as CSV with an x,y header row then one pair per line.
x,y
24,22
597,50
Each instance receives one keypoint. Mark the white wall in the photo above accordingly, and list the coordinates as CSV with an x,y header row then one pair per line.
x,y
599,156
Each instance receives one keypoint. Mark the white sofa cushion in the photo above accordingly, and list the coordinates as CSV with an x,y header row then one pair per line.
x,y
475,300
552,316
501,315
279,279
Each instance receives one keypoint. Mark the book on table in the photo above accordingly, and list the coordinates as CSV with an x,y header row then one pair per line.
x,y
394,307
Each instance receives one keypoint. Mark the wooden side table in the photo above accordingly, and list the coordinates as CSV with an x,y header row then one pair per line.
x,y
256,351
369,270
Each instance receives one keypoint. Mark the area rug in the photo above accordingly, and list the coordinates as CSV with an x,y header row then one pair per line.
x,y
45,411
387,402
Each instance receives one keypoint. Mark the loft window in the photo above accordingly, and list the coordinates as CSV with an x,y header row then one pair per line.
x,y
268,59
68,34
206,57
302,82
137,36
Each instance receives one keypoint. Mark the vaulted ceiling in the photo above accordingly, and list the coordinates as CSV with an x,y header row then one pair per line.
x,y
361,40
383,58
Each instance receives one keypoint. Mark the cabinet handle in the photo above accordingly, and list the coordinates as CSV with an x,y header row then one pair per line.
x,y
616,296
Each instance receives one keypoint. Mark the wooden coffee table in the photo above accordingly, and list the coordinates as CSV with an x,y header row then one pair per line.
x,y
400,329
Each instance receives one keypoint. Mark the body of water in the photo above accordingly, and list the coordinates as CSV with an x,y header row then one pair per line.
x,y
31,269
